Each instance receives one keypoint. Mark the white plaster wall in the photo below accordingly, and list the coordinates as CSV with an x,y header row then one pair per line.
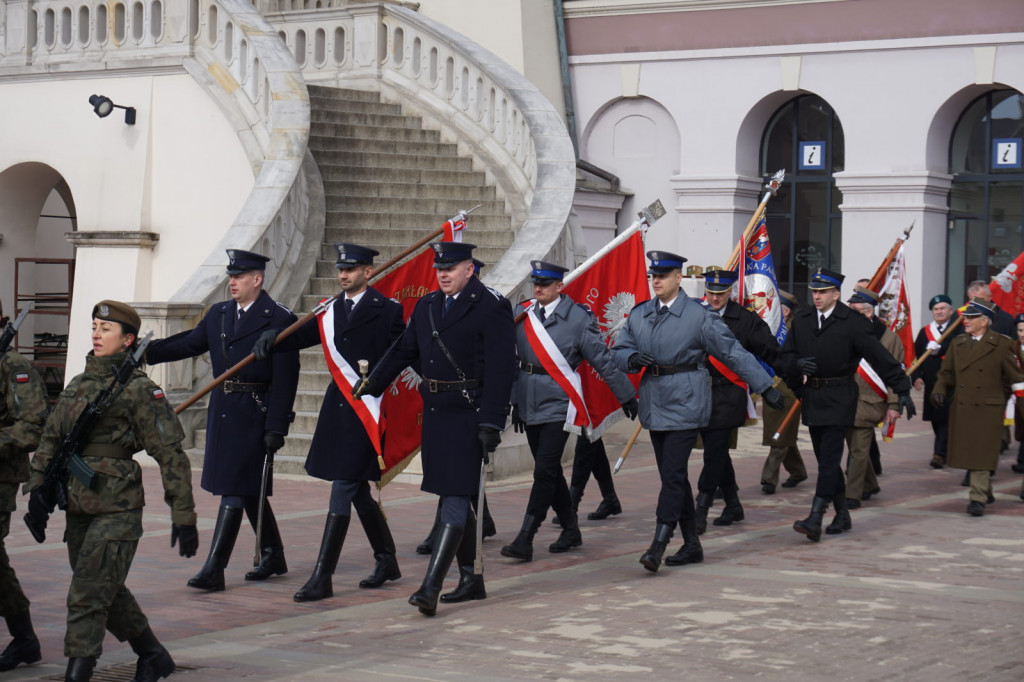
x,y
887,95
180,172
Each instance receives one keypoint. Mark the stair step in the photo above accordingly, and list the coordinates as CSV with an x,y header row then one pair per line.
x,y
413,224
366,119
337,172
295,445
322,146
326,92
411,190
402,206
348,106
369,161
323,129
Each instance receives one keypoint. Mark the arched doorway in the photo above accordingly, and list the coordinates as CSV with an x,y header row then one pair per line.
x,y
805,137
986,200
37,263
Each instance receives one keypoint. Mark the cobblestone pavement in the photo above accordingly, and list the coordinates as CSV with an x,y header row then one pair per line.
x,y
917,591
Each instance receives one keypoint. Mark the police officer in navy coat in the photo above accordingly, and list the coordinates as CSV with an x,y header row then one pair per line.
x,y
728,399
363,324
248,416
822,351
462,343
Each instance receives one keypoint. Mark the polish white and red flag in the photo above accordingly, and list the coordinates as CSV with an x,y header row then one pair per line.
x,y
609,288
894,305
1008,287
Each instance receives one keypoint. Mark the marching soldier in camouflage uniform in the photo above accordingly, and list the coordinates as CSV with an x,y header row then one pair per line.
x,y
104,525
22,415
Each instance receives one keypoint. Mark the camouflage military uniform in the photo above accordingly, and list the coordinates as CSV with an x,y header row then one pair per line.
x,y
22,415
104,526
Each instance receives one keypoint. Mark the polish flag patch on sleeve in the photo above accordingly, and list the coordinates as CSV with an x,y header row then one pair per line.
x,y
158,393
21,378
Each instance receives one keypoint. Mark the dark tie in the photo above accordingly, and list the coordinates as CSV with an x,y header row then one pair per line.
x,y
349,305
447,304
941,327
821,320
542,314
241,311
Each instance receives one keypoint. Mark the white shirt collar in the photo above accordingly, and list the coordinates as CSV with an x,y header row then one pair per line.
x,y
826,313
667,304
358,297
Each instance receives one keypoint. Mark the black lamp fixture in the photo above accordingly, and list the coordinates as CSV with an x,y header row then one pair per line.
x,y
102,106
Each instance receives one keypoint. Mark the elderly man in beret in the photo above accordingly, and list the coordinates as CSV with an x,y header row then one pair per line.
x,y
929,338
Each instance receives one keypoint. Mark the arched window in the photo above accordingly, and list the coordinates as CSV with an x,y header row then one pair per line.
x,y
804,223
986,200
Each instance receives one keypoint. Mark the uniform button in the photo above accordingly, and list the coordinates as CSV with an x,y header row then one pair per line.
x,y
223,416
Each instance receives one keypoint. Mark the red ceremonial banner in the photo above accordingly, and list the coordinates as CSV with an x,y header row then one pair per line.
x,y
610,288
402,403
1008,287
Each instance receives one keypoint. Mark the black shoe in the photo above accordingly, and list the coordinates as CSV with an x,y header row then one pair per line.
x,y
768,488
211,575
864,497
691,552
522,547
991,498
842,522
793,481
853,503
80,669
570,537
24,648
154,662
383,545
651,559
811,526
319,585
271,548
733,512
609,506
471,585
704,502
427,546
938,462
976,508
446,543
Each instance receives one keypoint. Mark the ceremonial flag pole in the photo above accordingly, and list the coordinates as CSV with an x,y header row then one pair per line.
x,y
771,189
287,331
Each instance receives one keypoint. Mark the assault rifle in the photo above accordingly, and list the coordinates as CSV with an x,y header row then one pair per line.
x,y
68,460
12,329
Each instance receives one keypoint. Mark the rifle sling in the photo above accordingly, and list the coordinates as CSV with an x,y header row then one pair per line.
x,y
109,450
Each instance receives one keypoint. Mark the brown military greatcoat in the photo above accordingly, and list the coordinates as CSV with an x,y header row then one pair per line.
x,y
976,377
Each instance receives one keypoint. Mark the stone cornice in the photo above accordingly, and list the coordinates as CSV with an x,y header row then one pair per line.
x,y
112,239
595,8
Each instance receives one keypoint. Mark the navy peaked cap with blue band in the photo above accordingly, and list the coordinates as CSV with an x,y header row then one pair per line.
x,y
979,306
719,281
663,261
447,254
788,299
478,265
353,255
941,298
545,273
243,261
863,295
825,279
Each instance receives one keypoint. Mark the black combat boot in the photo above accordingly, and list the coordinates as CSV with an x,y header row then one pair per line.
x,y
319,585
704,502
842,521
427,546
570,536
154,662
471,584
271,548
811,526
80,669
575,495
691,552
379,535
733,511
651,559
522,547
489,530
609,506
24,648
211,575
445,545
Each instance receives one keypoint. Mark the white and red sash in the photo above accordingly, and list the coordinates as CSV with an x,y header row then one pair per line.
x,y
551,359
931,332
871,378
366,408
734,378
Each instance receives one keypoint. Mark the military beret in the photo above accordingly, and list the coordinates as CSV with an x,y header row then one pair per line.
x,y
941,298
243,261
115,311
1019,318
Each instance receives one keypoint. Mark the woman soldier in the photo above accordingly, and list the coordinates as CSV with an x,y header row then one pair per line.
x,y
104,524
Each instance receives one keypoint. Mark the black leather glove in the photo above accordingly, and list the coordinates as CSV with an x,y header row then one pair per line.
x,y
630,408
371,387
189,537
807,366
39,508
518,425
264,346
938,400
639,360
272,441
906,405
774,399
489,439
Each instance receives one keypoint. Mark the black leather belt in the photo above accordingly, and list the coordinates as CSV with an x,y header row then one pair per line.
x,y
815,382
665,370
435,386
245,387
531,368
107,450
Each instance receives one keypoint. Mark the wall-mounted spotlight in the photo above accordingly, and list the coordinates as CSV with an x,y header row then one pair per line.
x,y
102,106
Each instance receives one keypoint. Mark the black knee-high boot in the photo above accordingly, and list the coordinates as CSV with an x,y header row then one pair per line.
x,y
445,545
471,584
211,575
384,552
271,548
319,585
